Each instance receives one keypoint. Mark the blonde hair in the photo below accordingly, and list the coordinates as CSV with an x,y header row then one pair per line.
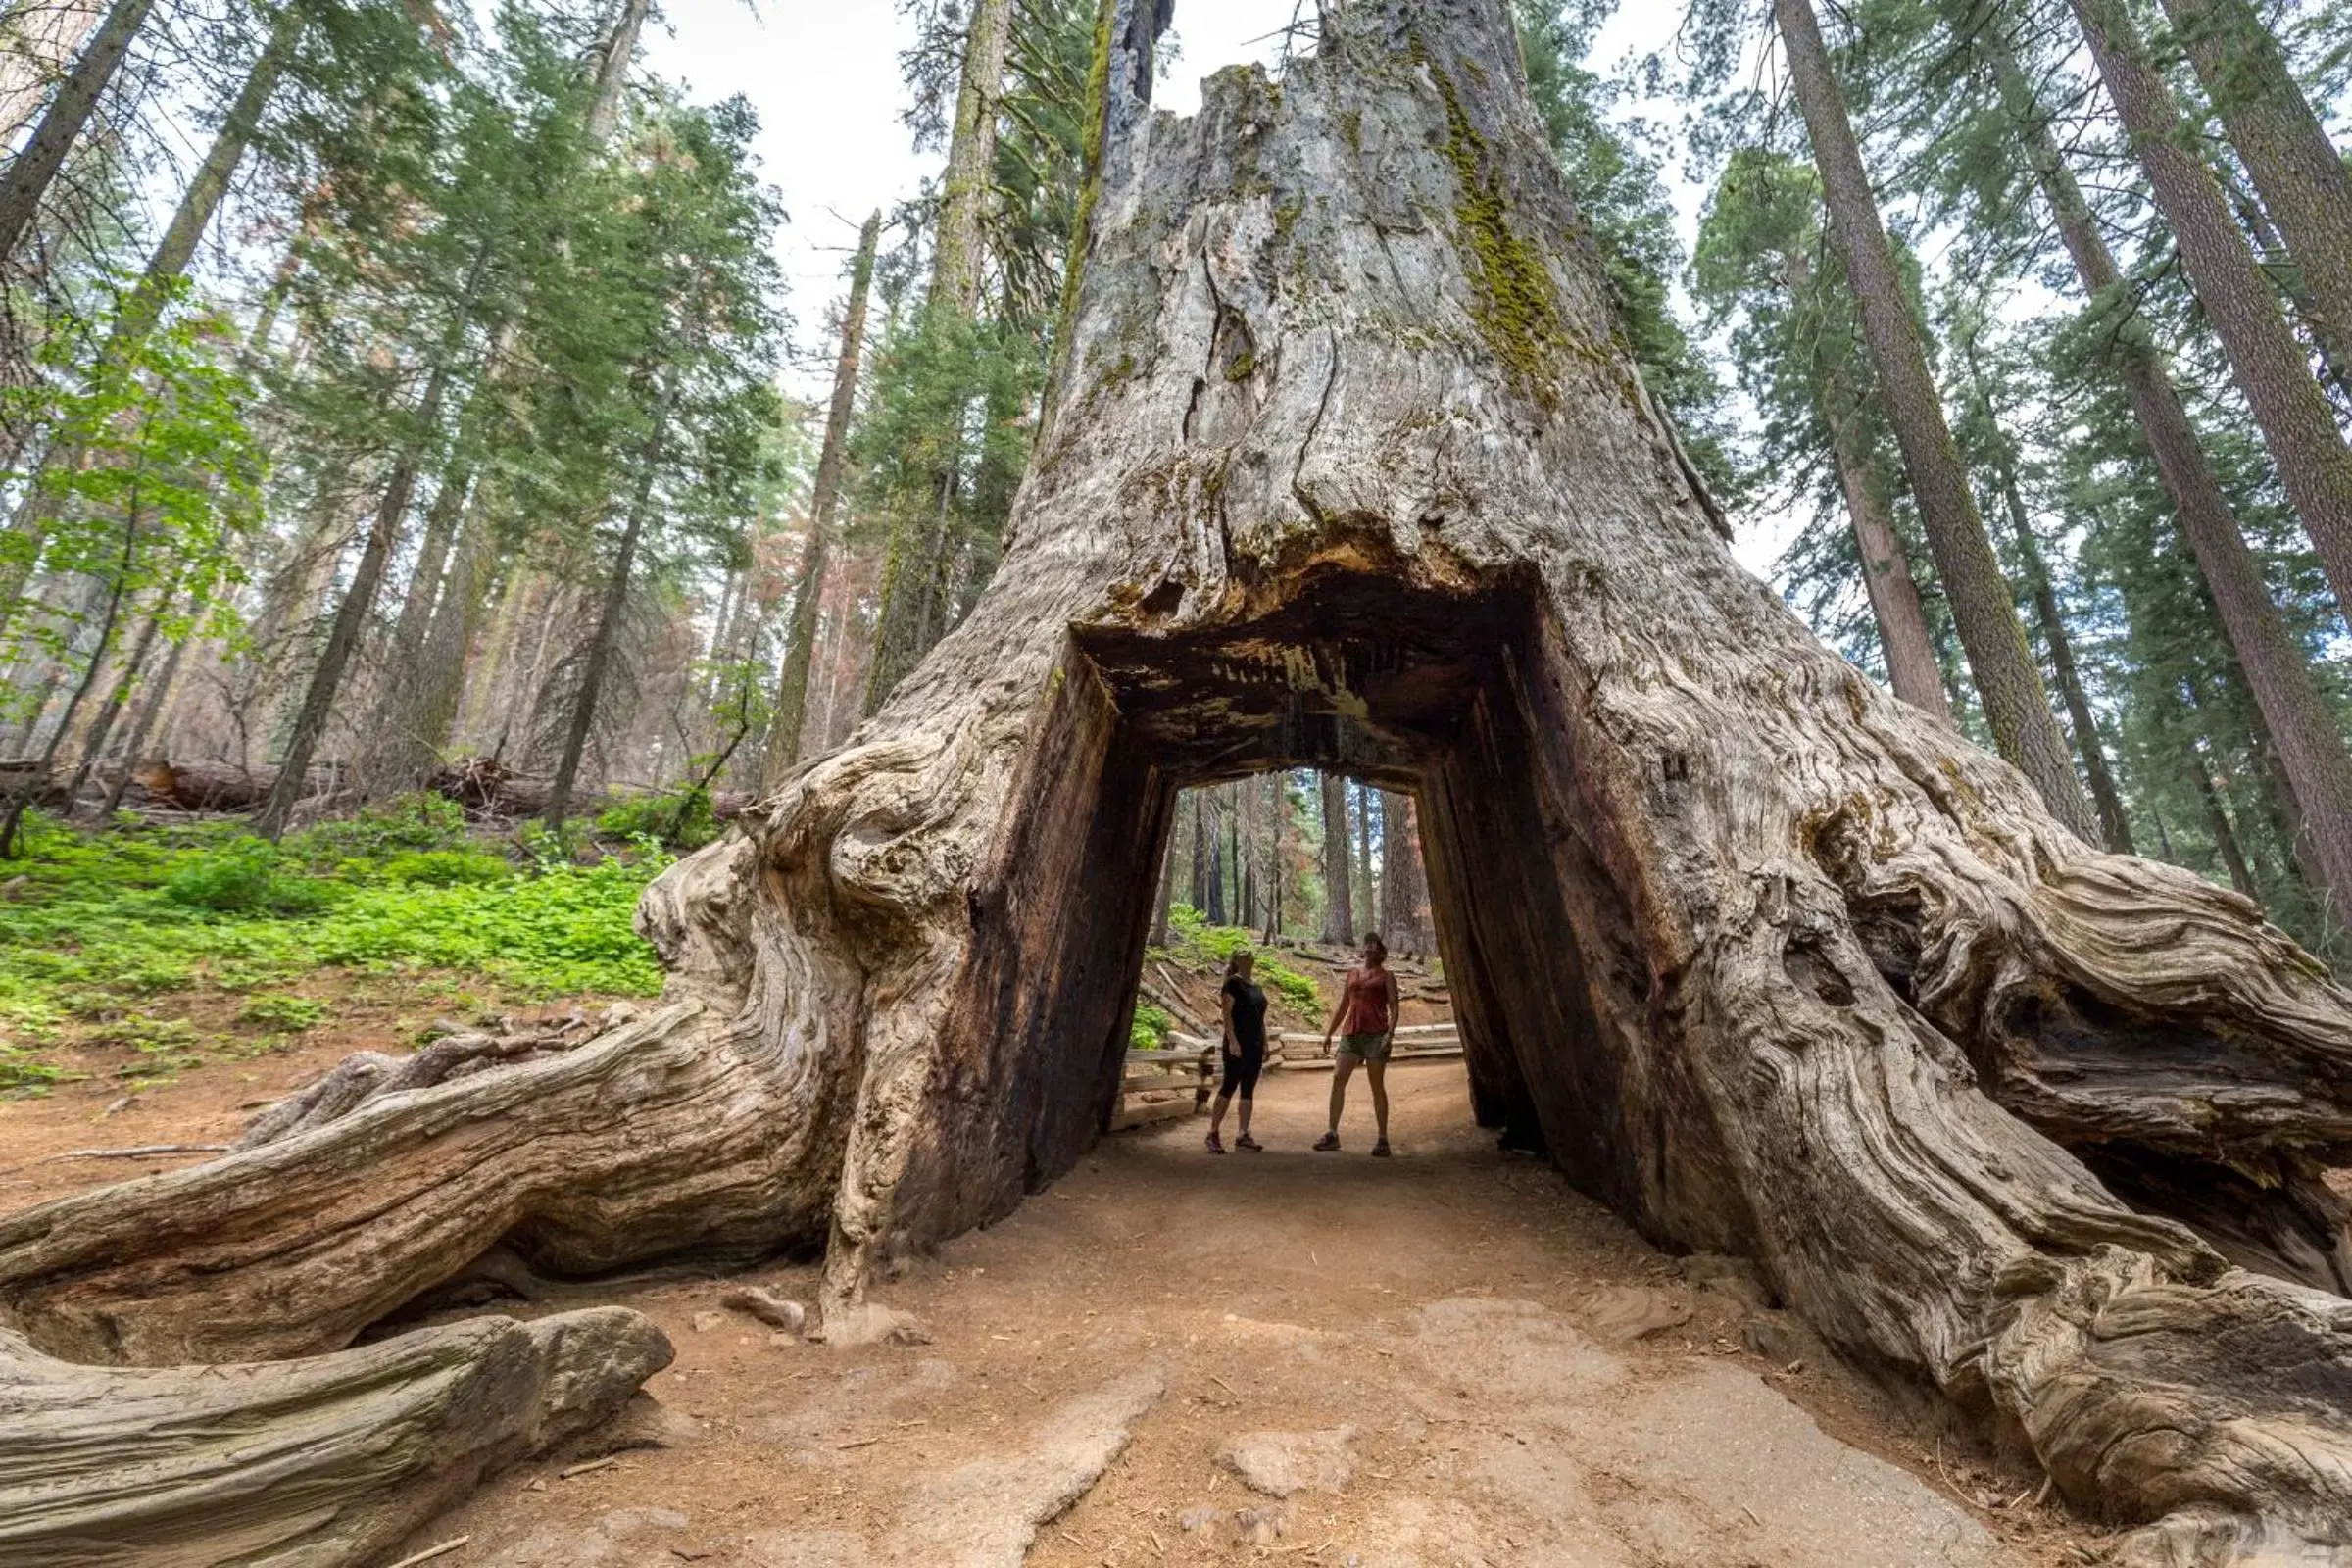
x,y
1239,957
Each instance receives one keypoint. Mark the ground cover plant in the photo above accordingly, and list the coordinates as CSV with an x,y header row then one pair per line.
x,y
185,943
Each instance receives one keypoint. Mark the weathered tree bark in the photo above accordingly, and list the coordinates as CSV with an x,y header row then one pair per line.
x,y
2311,749
799,647
2008,687
2305,188
2314,466
1339,896
1367,891
321,1462
1404,885
28,174
1769,960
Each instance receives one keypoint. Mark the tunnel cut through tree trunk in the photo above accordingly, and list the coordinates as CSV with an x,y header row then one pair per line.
x,y
1348,468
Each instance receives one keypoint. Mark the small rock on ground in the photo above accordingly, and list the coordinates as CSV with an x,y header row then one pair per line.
x,y
1280,1463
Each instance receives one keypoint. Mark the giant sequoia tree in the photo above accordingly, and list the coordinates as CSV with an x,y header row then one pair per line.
x,y
1347,467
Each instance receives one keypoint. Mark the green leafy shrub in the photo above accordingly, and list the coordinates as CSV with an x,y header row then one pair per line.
x,y
278,1010
21,1073
447,868
404,823
679,820
1150,1031
1192,940
246,879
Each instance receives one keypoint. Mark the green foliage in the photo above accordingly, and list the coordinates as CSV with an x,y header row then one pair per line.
x,y
1150,1031
278,1010
681,820
1194,941
171,916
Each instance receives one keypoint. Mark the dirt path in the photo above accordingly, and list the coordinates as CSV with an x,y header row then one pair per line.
x,y
1438,1353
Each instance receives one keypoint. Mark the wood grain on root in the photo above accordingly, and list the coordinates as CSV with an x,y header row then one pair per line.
x,y
1346,466
294,1464
651,1139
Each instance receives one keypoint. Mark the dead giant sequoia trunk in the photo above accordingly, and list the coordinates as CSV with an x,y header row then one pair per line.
x,y
1349,468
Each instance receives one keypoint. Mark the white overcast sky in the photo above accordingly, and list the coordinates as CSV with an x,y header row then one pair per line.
x,y
824,78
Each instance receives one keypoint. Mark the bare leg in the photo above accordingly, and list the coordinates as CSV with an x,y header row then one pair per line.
x,y
1244,1117
1216,1113
1343,1068
1377,1073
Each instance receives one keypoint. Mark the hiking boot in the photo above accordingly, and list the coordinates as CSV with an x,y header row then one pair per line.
x,y
1249,1142
1380,1151
1217,1144
1327,1144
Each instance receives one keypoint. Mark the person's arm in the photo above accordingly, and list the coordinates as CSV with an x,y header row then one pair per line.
x,y
1395,1006
1333,1027
1225,1012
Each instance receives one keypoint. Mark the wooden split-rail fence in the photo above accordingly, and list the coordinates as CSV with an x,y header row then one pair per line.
x,y
1178,1081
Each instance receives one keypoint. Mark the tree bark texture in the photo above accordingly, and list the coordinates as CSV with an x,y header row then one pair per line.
x,y
2309,746
1339,897
2305,188
2270,367
313,1463
799,647
1346,468
2009,689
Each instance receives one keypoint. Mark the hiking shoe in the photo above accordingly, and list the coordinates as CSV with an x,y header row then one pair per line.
x,y
1217,1144
1327,1144
1249,1142
1380,1151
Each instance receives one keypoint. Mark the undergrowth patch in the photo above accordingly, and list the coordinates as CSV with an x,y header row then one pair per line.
x,y
110,939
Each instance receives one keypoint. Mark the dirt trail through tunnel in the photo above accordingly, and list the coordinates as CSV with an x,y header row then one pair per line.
x,y
1441,1347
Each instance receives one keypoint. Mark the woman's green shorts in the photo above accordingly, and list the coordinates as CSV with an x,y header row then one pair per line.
x,y
1365,1048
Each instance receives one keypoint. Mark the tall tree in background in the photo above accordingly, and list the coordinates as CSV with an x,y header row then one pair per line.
x,y
27,178
2016,707
2309,739
2305,188
800,650
1800,356
1339,900
913,585
2269,367
1405,913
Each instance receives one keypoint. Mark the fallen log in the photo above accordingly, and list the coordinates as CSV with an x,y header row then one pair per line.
x,y
323,1463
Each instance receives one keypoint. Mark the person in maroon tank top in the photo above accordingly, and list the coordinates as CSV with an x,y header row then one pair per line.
x,y
1365,1020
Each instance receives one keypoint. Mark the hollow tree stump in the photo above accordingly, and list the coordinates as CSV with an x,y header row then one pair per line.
x,y
1346,466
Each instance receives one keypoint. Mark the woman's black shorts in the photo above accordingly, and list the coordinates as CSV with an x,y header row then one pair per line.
x,y
1241,1072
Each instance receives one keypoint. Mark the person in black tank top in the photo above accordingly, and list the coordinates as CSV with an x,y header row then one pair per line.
x,y
1242,1005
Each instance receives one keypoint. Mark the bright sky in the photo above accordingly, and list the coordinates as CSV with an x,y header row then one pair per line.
x,y
826,80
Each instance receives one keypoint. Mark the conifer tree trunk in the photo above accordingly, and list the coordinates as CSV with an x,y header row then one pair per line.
x,y
914,570
1404,885
1912,670
2305,188
2309,746
1339,896
2269,367
2009,688
351,617
27,177
1763,958
799,647
1367,891
606,635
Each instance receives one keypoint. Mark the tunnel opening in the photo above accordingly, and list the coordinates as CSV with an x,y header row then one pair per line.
x,y
1437,695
